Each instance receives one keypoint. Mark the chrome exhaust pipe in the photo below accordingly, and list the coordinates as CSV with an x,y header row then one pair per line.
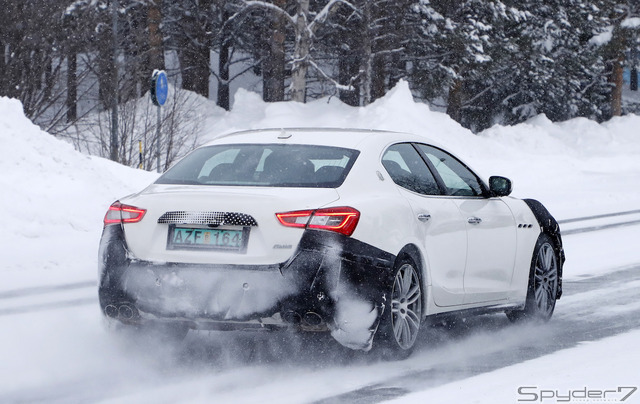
x,y
291,317
126,312
111,311
312,319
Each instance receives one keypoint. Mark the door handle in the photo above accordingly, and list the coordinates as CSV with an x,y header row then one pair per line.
x,y
424,217
474,220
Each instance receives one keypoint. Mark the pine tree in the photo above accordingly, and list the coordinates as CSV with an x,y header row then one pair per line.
x,y
562,76
622,16
31,39
506,61
190,34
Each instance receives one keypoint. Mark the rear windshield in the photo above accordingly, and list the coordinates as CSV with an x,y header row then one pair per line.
x,y
265,165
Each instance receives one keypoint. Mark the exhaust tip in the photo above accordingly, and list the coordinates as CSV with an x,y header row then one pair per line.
x,y
111,311
291,317
126,312
312,319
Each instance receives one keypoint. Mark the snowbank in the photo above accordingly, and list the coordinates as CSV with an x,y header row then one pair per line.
x,y
577,167
54,199
563,164
396,111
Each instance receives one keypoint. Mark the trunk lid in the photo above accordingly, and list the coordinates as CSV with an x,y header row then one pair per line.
x,y
240,222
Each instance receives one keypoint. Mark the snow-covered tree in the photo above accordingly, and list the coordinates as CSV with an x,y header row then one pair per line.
x,y
305,23
620,39
464,54
190,30
505,61
31,39
560,72
195,28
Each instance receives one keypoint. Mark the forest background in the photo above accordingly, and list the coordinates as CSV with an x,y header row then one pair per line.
x,y
75,63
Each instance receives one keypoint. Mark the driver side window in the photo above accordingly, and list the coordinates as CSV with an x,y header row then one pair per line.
x,y
408,170
459,180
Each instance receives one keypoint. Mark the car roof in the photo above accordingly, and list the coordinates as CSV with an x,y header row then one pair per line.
x,y
342,137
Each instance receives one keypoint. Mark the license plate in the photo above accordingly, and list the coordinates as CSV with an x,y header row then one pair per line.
x,y
187,238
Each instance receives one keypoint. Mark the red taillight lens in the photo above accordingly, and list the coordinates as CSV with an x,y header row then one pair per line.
x,y
342,220
298,218
119,213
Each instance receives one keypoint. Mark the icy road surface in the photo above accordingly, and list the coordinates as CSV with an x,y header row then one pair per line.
x,y
55,349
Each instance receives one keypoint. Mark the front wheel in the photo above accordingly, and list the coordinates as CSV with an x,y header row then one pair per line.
x,y
542,290
400,323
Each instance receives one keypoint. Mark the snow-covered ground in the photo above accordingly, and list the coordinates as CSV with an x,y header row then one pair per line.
x,y
580,374
54,199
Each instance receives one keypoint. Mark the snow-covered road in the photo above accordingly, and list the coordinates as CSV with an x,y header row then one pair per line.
x,y
58,351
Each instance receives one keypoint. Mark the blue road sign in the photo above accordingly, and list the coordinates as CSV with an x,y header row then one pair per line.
x,y
159,87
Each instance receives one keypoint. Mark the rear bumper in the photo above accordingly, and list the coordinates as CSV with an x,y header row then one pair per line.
x,y
330,282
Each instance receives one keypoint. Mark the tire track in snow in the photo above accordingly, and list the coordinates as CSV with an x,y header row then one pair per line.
x,y
38,290
48,306
48,298
602,216
600,226
588,315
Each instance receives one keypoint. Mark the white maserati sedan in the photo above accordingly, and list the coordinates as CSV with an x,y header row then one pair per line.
x,y
362,234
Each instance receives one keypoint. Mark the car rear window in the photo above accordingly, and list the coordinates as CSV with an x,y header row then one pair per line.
x,y
265,165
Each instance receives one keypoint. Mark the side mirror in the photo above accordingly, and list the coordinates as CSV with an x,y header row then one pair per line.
x,y
500,186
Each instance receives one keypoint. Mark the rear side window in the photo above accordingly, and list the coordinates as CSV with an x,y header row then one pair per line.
x,y
408,169
267,165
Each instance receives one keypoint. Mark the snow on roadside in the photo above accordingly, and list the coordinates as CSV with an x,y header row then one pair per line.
x,y
577,372
53,202
577,167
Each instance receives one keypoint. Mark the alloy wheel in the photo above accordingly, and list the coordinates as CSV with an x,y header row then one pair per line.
x,y
546,280
406,306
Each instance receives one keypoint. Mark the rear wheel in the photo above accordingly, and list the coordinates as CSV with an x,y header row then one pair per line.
x,y
543,283
400,323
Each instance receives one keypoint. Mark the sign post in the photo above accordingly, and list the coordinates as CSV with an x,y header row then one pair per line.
x,y
159,93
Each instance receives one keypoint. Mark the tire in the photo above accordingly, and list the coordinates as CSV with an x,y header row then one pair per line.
x,y
400,323
542,290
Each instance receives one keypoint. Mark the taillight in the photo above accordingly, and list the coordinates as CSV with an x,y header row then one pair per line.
x,y
119,213
342,220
